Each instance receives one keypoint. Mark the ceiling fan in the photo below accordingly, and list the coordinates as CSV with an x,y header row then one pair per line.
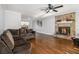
x,y
51,8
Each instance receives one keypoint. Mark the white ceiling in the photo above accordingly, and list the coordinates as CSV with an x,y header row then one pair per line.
x,y
33,10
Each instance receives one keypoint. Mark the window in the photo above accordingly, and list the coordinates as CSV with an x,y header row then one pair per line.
x,y
24,24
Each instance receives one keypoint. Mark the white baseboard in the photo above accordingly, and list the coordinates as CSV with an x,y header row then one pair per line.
x,y
45,33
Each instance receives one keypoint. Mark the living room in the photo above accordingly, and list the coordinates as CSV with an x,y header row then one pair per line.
x,y
50,31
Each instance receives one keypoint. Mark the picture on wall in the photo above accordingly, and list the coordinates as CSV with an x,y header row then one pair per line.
x,y
39,23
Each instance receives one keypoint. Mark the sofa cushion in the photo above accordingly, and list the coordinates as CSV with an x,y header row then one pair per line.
x,y
4,49
22,30
24,49
7,37
14,31
20,42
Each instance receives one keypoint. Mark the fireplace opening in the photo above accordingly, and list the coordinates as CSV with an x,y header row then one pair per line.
x,y
64,30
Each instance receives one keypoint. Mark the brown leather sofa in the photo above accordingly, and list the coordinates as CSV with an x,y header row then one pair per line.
x,y
19,46
26,34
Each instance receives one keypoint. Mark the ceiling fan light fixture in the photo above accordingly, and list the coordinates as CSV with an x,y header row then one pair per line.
x,y
51,8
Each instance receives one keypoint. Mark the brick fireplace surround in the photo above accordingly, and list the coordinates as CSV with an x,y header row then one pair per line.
x,y
65,26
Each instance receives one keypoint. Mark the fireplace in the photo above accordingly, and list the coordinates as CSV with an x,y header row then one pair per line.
x,y
64,30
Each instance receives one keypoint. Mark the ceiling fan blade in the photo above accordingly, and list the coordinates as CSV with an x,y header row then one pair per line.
x,y
55,10
47,11
58,7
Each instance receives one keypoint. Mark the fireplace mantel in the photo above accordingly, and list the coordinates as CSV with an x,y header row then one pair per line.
x,y
65,22
64,25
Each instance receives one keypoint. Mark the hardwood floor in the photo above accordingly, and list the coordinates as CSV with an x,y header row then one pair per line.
x,y
44,44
